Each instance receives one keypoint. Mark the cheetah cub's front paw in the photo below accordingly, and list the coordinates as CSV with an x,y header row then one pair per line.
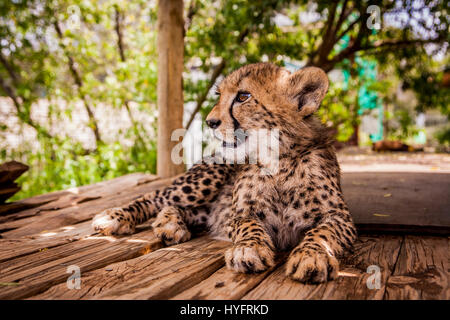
x,y
112,221
170,229
312,266
249,258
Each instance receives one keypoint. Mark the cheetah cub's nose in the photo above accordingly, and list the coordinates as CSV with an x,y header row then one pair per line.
x,y
213,123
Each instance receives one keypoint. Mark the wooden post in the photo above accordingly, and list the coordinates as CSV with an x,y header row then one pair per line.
x,y
170,82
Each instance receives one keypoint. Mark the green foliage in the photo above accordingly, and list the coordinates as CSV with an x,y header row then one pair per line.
x,y
36,64
65,166
86,67
406,126
443,137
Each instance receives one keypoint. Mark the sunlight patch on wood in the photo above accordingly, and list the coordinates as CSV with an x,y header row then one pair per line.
x,y
347,274
171,249
110,239
137,240
48,234
74,190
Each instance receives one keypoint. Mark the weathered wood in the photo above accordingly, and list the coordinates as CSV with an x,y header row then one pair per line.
x,y
37,272
158,275
402,199
225,285
13,248
170,83
61,199
36,201
8,190
380,251
422,270
51,219
10,171
40,244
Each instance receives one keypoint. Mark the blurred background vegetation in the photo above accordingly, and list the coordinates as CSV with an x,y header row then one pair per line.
x,y
78,78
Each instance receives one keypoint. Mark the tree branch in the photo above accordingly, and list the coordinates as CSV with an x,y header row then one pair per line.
x,y
349,27
193,8
77,78
400,43
381,45
23,116
9,69
201,98
342,17
118,18
119,32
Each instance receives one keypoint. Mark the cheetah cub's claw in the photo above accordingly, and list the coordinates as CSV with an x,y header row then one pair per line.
x,y
249,258
170,229
312,266
112,221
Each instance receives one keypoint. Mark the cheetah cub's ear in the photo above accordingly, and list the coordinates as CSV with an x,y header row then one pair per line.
x,y
307,88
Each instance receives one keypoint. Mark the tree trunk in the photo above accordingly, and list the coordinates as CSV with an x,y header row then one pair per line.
x,y
170,83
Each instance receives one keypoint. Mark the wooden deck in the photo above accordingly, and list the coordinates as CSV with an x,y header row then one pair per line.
x,y
43,236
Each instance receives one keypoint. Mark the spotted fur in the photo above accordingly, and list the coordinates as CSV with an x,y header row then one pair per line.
x,y
300,207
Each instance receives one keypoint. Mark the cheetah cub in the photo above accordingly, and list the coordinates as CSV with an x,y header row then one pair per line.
x,y
298,207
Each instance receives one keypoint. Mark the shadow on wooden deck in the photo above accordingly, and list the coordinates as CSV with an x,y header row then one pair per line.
x,y
43,236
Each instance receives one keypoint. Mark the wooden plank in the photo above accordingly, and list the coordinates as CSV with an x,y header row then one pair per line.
x,y
37,272
158,275
9,208
8,190
422,270
75,214
380,251
403,199
10,171
225,285
13,248
71,197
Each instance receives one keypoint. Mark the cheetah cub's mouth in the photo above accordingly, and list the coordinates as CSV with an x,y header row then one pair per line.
x,y
239,138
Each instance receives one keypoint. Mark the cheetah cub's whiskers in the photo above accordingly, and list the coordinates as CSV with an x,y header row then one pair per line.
x,y
299,206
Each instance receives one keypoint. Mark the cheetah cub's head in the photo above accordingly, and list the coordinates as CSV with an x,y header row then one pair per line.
x,y
264,96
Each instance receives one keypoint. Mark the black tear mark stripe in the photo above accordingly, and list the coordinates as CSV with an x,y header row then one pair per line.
x,y
236,123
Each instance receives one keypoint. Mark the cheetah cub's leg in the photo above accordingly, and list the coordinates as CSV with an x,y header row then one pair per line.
x,y
197,187
253,250
315,258
170,227
124,220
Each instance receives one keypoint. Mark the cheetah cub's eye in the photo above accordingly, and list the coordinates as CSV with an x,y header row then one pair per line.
x,y
242,96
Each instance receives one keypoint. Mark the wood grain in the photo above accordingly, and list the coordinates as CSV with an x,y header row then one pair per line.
x,y
170,83
352,281
37,272
77,213
422,270
225,284
13,248
58,199
157,275
55,232
398,198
